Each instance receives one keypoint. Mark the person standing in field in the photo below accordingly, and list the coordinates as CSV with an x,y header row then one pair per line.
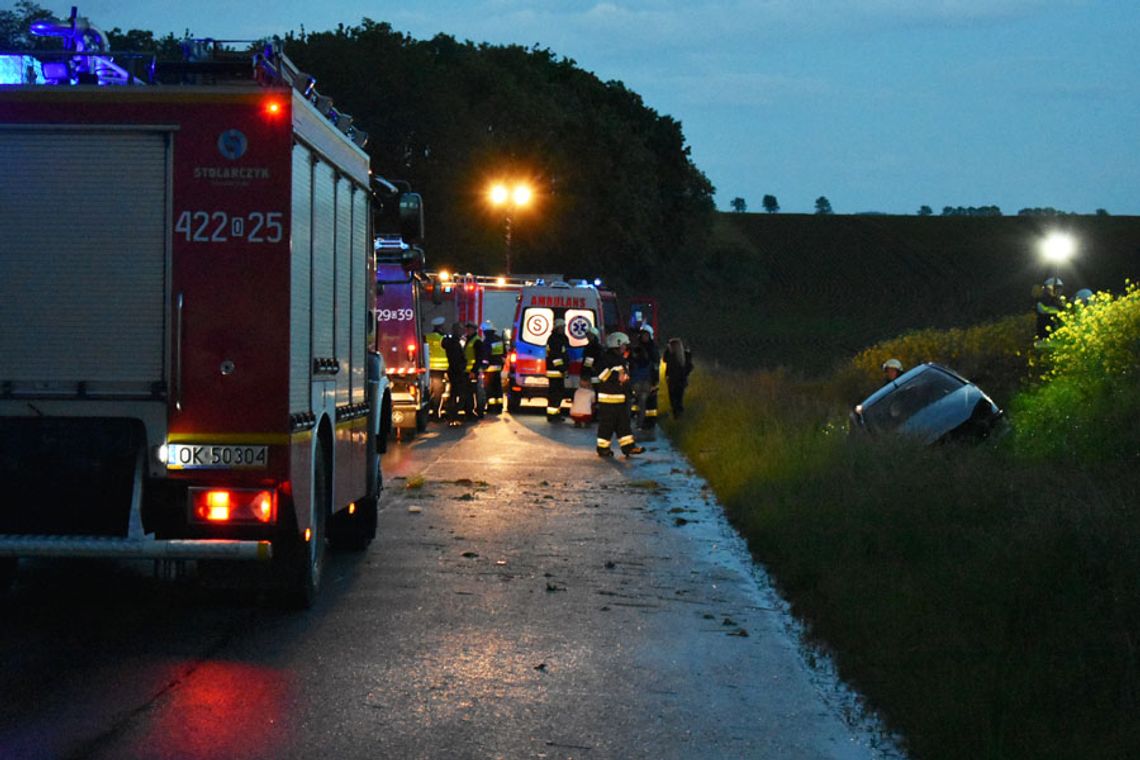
x,y
678,365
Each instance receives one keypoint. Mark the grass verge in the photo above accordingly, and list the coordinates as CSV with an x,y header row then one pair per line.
x,y
984,599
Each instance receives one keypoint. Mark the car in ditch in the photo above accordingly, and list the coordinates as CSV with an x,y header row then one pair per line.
x,y
931,403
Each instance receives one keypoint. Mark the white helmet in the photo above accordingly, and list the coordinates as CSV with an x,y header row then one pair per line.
x,y
438,322
1054,282
617,340
488,325
892,364
647,328
1083,295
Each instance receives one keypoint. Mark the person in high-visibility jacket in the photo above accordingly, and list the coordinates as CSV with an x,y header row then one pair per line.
x,y
491,363
557,363
437,365
613,399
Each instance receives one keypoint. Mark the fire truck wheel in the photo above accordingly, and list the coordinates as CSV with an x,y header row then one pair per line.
x,y
421,420
305,560
7,573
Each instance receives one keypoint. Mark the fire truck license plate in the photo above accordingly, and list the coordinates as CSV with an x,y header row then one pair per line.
x,y
207,457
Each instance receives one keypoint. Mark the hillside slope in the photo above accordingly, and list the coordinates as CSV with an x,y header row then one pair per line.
x,y
805,291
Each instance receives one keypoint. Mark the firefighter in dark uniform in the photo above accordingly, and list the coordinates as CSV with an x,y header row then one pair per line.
x,y
645,376
459,393
557,363
494,353
1049,305
613,399
591,358
473,351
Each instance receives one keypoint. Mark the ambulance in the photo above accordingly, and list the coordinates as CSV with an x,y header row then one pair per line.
x,y
579,304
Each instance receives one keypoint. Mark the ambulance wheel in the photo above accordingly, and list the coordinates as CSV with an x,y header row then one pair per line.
x,y
304,561
514,402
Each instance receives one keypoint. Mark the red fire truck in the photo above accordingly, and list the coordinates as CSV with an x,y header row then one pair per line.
x,y
399,332
186,294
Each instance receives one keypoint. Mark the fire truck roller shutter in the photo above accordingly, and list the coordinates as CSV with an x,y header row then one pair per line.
x,y
324,259
300,304
93,280
361,291
343,321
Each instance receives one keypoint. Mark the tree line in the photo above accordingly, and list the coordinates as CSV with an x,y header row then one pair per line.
x,y
823,206
616,192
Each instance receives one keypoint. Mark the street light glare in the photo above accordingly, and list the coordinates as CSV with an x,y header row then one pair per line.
x,y
1058,247
499,194
521,195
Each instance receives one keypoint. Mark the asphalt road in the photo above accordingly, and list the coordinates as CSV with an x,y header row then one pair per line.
x,y
526,600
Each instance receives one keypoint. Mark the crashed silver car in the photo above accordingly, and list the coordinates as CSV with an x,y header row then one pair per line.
x,y
931,403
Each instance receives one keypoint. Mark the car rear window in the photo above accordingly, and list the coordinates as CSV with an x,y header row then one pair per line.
x,y
922,390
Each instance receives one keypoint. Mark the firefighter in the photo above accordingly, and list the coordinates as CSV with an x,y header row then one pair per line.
x,y
1049,305
645,376
494,353
613,395
591,356
437,366
472,351
892,368
678,365
557,362
459,392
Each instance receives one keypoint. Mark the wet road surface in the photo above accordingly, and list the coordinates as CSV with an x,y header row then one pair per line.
x,y
525,599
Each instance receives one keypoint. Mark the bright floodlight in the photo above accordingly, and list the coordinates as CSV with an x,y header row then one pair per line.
x,y
1059,247
499,194
521,195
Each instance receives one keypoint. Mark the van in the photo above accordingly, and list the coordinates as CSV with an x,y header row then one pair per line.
x,y
580,305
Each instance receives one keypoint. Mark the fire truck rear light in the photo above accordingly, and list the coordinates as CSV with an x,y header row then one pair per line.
x,y
273,107
235,505
411,348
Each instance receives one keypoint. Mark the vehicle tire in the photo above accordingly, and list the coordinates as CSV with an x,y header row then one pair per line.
x,y
304,561
354,532
421,419
514,402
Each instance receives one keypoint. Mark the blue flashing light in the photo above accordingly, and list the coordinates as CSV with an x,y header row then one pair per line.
x,y
597,282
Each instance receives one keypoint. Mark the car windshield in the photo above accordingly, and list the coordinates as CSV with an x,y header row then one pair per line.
x,y
919,392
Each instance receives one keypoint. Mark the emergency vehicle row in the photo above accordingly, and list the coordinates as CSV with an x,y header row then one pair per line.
x,y
213,311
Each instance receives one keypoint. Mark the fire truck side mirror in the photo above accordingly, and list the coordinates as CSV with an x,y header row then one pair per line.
x,y
413,260
411,218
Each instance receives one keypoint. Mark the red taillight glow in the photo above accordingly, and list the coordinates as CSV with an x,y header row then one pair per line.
x,y
263,506
217,507
411,348
514,357
273,107
233,505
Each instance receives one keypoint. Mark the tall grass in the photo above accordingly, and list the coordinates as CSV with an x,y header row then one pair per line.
x,y
985,599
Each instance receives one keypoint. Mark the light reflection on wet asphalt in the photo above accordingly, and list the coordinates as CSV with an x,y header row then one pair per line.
x,y
529,600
